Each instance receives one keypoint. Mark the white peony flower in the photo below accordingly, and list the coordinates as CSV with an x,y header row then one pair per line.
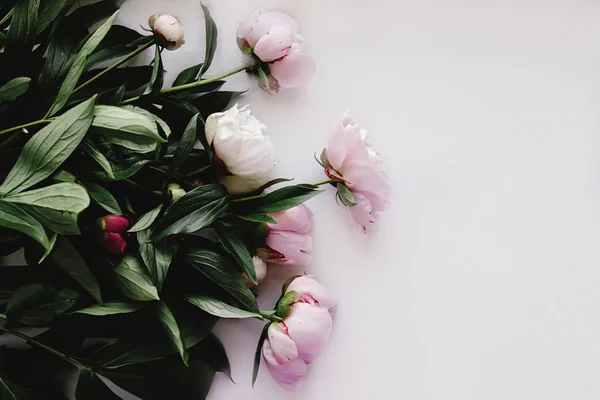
x,y
240,142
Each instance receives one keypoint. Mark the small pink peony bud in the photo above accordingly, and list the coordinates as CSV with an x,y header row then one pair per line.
x,y
115,243
260,267
168,31
114,223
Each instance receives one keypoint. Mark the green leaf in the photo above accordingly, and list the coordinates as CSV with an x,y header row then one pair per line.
x,y
234,246
38,304
345,195
286,197
188,75
219,270
212,351
78,66
2,38
67,258
93,151
11,391
134,281
112,97
211,40
157,78
56,207
124,163
197,209
214,101
23,27
258,352
118,50
103,197
157,256
14,88
14,217
48,11
264,78
110,308
220,308
91,387
260,218
125,124
186,144
64,176
167,320
207,87
162,124
146,220
49,148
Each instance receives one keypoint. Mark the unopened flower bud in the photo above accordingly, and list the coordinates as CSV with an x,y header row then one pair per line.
x,y
175,191
260,268
168,31
115,243
152,20
114,223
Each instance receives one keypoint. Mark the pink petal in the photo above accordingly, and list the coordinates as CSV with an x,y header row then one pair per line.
x,y
309,327
288,375
274,45
362,212
284,349
295,247
293,70
296,219
342,143
312,292
259,23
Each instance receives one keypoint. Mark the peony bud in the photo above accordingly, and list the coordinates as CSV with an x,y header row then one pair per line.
x,y
114,223
272,37
288,241
241,144
175,191
114,243
167,30
303,334
260,268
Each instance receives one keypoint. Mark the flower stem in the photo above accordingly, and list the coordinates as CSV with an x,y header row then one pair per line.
x,y
43,346
324,182
7,16
270,315
117,64
27,125
175,89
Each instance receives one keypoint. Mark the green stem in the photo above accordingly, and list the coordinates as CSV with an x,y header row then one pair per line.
x,y
270,315
43,346
115,65
324,182
7,16
175,89
27,125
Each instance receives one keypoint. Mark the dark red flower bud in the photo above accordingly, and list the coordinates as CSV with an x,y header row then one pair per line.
x,y
115,243
114,223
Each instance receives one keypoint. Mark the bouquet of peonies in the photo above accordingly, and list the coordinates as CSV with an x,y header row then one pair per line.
x,y
145,213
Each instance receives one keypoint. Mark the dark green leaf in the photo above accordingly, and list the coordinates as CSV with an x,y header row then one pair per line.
x,y
15,218
56,207
199,89
93,151
118,50
49,148
91,387
67,258
285,198
124,163
258,352
134,280
14,88
220,308
214,101
261,218
211,40
211,350
234,246
125,124
112,97
167,320
9,390
38,303
157,256
64,176
219,270
197,209
157,78
264,78
345,195
48,11
110,308
188,75
146,220
78,66
23,27
103,197
186,144
267,185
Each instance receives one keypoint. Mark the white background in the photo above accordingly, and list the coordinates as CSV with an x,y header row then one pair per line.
x,y
482,281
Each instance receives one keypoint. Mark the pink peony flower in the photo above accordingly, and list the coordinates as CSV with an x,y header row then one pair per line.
x,y
307,310
352,158
115,243
114,223
272,37
288,241
168,31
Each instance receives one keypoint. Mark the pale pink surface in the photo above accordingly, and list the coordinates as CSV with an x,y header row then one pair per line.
x,y
351,155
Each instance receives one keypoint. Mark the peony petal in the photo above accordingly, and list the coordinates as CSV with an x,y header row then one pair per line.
x,y
295,247
309,327
284,348
312,292
362,212
276,44
288,375
237,185
259,23
296,219
293,70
